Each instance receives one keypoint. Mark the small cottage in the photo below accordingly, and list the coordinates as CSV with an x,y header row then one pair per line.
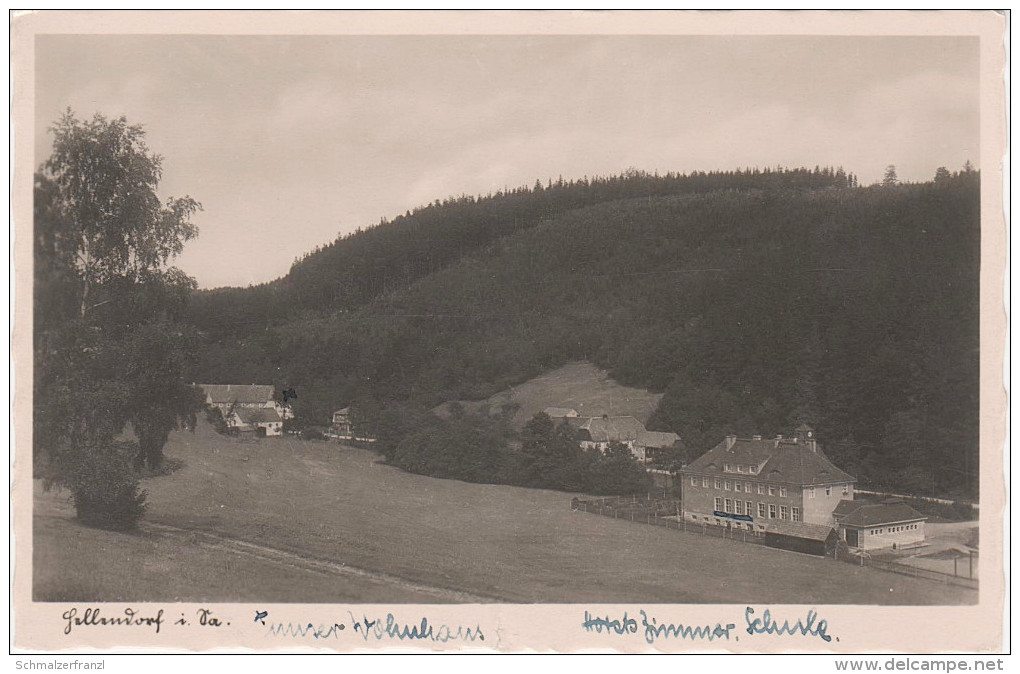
x,y
873,526
263,422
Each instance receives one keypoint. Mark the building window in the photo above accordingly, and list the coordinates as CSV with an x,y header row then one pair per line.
x,y
772,490
729,506
738,486
726,467
828,491
846,489
784,513
718,503
718,483
810,492
740,468
726,485
748,505
694,481
761,488
761,510
738,507
772,511
752,469
783,491
796,514
704,482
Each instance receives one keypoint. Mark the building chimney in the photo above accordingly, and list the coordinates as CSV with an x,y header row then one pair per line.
x,y
730,441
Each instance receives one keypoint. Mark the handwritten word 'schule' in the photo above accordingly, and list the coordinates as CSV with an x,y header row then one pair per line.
x,y
804,627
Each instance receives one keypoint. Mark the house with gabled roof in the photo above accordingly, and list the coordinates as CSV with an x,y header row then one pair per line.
x,y
599,432
230,397
872,526
262,421
749,483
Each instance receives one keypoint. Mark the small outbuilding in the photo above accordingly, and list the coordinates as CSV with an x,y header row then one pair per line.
x,y
872,526
812,539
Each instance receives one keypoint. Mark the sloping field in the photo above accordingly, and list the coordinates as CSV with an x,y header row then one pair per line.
x,y
282,519
580,386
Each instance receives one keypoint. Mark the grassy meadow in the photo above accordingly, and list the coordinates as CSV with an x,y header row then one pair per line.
x,y
283,520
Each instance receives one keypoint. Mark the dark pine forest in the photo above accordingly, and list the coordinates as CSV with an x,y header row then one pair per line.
x,y
755,300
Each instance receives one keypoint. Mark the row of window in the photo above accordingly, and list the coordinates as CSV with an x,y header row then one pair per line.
x,y
749,487
740,468
764,510
892,530
731,485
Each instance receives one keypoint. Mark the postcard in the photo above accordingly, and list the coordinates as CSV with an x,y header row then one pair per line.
x,y
506,332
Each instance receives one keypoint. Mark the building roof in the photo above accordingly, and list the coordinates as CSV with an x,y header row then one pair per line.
x,y
220,394
778,460
560,412
875,514
657,439
257,415
847,506
609,429
815,532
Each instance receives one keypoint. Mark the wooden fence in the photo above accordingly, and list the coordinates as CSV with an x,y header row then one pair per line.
x,y
659,512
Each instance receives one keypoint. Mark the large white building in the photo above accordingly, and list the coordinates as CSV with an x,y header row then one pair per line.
x,y
749,482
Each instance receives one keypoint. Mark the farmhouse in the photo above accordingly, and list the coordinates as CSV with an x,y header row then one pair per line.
x,y
754,482
871,526
260,421
599,432
229,397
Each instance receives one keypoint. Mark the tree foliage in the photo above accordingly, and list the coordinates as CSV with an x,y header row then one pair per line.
x,y
479,447
109,345
102,181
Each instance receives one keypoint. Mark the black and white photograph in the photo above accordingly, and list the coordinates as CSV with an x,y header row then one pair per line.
x,y
606,321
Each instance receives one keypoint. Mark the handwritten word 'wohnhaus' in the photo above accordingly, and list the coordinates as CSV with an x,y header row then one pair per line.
x,y
365,628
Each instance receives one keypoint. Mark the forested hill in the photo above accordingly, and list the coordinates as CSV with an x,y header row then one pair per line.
x,y
756,302
393,254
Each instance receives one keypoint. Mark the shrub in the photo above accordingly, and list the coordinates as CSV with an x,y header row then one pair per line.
x,y
103,486
215,417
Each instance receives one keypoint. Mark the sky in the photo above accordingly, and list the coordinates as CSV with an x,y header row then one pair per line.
x,y
290,141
